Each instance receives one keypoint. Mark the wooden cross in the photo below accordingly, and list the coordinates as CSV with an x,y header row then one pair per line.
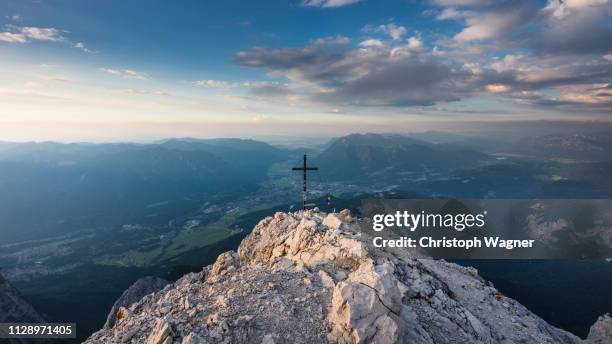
x,y
304,168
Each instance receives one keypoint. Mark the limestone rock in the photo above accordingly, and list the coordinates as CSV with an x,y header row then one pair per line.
x,y
135,292
160,333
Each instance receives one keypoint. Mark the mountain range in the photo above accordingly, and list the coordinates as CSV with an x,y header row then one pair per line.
x,y
363,156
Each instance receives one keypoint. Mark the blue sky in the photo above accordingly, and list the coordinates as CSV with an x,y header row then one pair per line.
x,y
123,70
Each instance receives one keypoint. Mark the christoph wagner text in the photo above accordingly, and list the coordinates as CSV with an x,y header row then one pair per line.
x,y
412,221
428,242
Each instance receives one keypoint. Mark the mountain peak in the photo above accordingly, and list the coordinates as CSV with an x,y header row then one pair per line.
x,y
307,277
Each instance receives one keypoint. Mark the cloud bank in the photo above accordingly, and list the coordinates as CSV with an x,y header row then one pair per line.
x,y
554,56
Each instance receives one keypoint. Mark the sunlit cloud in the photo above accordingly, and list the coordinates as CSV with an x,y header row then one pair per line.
x,y
25,34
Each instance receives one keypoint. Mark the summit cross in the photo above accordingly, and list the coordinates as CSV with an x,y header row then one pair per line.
x,y
305,168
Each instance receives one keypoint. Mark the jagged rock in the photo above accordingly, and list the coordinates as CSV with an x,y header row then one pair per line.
x,y
226,263
306,277
135,292
601,331
160,334
14,309
332,221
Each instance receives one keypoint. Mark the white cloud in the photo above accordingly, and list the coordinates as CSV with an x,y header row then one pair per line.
x,y
126,73
498,88
453,14
216,84
13,37
29,33
394,31
328,3
372,43
491,25
81,45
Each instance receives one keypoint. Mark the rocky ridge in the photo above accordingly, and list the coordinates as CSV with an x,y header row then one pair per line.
x,y
306,277
14,309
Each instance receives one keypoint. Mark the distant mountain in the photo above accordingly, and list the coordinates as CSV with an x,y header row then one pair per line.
x,y
47,188
593,147
249,156
361,156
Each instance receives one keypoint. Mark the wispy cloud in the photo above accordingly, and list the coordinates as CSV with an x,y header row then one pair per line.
x,y
392,30
217,84
140,92
81,45
126,73
328,3
14,17
226,85
25,34
60,78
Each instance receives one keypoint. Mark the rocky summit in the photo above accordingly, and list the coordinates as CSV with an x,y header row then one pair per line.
x,y
306,277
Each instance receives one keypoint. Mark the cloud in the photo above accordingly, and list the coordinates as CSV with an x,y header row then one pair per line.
x,y
140,92
81,45
494,22
60,78
13,37
14,17
384,73
328,3
498,88
518,51
577,27
270,90
126,73
216,84
401,83
461,2
372,43
28,33
392,30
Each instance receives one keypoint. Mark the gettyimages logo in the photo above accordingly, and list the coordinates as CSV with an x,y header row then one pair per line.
x,y
412,222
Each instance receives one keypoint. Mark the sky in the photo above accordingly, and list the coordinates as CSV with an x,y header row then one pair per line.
x,y
143,70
